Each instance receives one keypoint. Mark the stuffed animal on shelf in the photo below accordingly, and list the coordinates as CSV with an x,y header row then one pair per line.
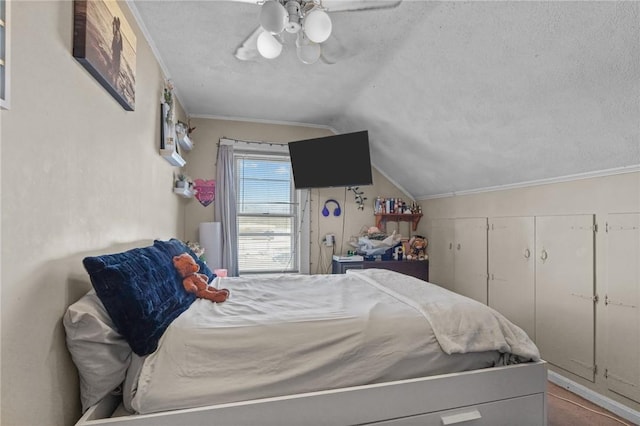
x,y
418,247
197,283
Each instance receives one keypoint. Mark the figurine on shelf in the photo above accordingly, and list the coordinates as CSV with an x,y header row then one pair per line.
x,y
418,248
183,181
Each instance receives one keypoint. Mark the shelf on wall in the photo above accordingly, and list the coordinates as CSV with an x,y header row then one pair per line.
x,y
185,142
382,218
184,192
173,157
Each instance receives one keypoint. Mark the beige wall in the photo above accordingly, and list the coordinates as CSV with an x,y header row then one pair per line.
x,y
82,176
351,223
599,196
201,160
201,164
79,175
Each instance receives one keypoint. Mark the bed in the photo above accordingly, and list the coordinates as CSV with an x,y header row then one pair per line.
x,y
367,347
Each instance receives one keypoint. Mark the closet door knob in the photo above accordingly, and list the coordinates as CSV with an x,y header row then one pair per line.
x,y
458,246
527,253
544,255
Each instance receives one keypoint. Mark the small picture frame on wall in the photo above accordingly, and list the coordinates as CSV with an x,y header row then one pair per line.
x,y
105,44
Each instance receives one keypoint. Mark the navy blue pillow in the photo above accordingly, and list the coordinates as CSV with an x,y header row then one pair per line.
x,y
142,293
175,247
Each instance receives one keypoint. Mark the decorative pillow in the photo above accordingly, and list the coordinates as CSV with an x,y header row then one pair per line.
x,y
141,292
100,353
175,247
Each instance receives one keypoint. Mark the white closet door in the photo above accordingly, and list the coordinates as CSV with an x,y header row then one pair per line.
x,y
470,260
622,320
440,249
565,292
512,269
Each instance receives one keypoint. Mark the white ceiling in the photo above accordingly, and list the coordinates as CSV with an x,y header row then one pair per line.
x,y
456,96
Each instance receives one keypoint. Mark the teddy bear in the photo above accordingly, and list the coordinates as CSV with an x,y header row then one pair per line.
x,y
197,283
418,247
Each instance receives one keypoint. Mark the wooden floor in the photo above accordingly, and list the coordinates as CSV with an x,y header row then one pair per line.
x,y
565,413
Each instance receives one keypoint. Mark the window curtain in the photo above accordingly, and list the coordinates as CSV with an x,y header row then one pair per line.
x,y
224,208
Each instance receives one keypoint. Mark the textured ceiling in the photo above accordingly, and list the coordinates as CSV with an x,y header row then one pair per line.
x,y
456,96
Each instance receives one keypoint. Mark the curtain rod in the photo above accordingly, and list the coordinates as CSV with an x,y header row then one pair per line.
x,y
257,146
254,146
229,141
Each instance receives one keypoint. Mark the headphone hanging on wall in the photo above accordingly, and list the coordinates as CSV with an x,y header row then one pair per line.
x,y
336,211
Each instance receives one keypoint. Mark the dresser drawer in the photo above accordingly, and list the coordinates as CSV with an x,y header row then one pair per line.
x,y
342,267
522,411
414,268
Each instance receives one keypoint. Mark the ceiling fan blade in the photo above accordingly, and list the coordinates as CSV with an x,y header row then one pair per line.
x,y
353,5
248,50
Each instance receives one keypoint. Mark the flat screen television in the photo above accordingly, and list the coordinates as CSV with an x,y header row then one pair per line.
x,y
340,160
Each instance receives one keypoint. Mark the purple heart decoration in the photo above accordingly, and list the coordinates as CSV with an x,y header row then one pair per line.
x,y
205,191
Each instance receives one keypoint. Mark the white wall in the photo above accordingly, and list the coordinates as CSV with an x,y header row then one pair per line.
x,y
201,164
79,175
600,196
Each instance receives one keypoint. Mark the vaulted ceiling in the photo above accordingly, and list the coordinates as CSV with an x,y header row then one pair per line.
x,y
456,96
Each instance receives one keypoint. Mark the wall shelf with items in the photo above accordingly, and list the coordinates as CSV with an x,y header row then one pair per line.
x,y
183,185
185,142
172,156
184,192
182,135
168,135
383,218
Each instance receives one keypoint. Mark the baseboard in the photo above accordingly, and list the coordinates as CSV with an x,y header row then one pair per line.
x,y
607,403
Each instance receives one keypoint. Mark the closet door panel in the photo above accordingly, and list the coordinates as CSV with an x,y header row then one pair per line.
x,y
512,270
565,293
440,249
622,320
470,259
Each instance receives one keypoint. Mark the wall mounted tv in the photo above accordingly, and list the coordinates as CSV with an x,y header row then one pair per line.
x,y
340,160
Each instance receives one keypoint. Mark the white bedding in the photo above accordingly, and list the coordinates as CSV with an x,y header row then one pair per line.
x,y
292,334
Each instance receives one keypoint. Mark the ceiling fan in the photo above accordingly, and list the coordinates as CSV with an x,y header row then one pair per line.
x,y
306,21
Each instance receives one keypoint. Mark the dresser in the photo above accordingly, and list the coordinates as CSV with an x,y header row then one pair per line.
x,y
414,268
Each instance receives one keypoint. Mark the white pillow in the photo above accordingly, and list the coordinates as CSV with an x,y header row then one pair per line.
x,y
101,355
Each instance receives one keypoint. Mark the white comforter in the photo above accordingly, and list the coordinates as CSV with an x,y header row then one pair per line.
x,y
292,334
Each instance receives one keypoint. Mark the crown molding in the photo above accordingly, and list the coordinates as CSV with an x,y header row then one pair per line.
x,y
154,48
568,178
263,121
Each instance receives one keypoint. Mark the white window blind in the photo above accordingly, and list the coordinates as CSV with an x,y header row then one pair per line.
x,y
267,214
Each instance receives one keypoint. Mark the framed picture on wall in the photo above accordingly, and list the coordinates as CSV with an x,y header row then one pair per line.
x,y
105,44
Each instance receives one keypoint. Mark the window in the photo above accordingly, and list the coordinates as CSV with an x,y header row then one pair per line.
x,y
268,214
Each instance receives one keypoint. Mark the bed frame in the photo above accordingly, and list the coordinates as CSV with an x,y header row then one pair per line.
x,y
510,395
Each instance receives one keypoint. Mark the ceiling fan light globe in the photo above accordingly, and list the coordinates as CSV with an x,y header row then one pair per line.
x,y
268,46
273,17
308,53
317,26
